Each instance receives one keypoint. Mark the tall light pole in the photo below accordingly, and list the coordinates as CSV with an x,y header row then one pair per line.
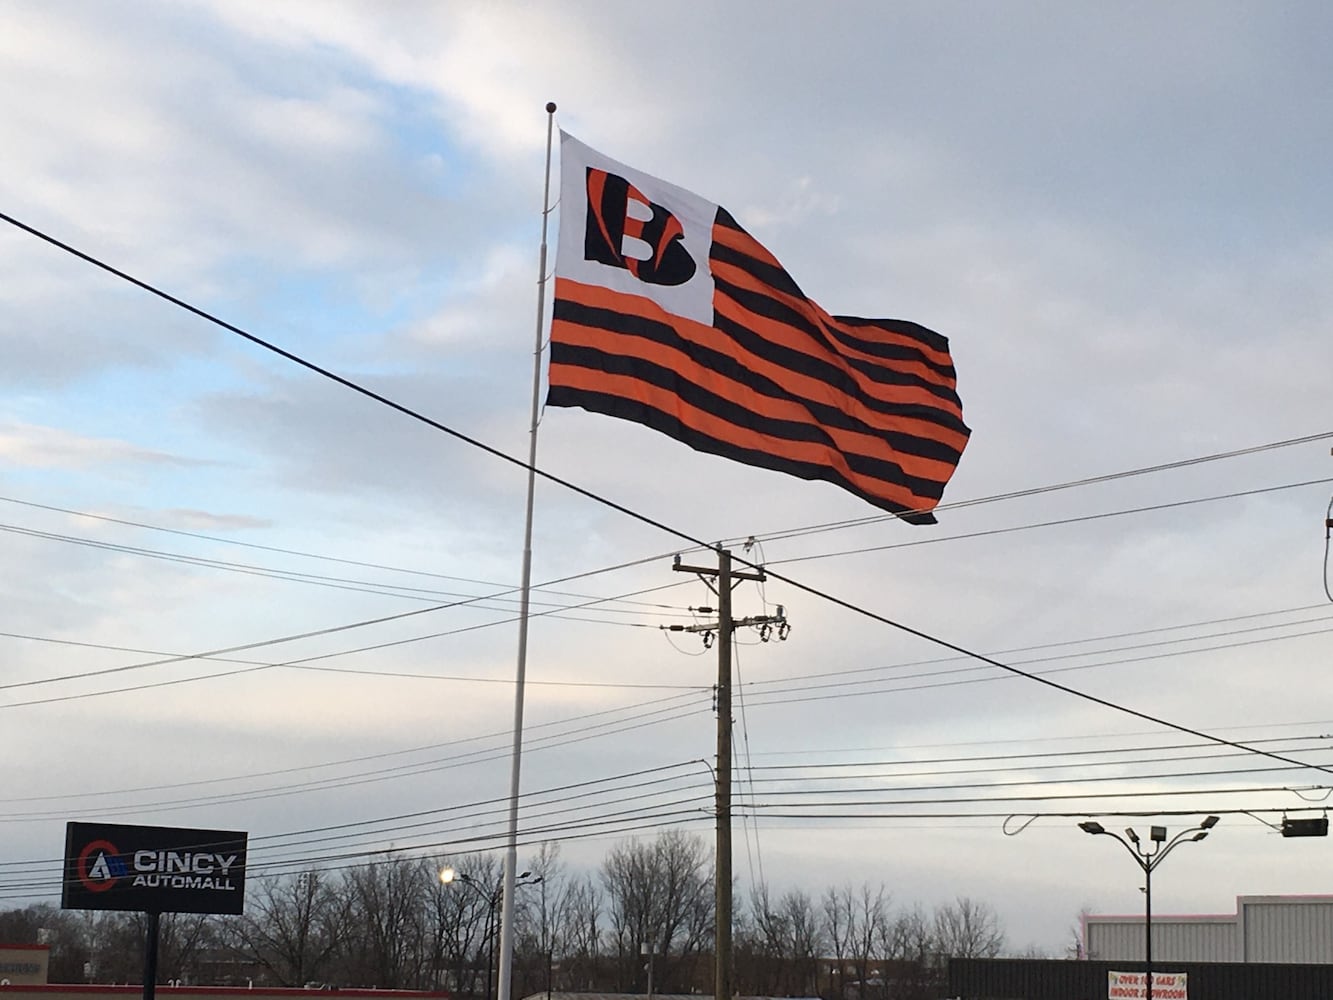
x,y
1148,858
449,876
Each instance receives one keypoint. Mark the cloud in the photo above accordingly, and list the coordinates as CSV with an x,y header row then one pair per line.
x,y
54,448
1119,218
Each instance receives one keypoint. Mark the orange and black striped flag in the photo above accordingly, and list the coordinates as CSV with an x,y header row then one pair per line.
x,y
669,314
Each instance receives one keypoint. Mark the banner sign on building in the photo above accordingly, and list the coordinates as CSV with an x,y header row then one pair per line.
x,y
153,869
1132,985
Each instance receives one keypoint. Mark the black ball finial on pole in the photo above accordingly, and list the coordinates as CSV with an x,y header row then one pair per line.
x,y
550,107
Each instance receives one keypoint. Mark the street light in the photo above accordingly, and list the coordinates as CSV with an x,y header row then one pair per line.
x,y
450,876
1149,858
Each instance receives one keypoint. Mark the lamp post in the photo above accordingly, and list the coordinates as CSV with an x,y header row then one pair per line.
x,y
449,876
1148,858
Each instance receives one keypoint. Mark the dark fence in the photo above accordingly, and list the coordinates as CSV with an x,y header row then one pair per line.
x,y
1036,979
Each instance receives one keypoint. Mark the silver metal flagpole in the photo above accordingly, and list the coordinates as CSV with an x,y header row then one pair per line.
x,y
511,848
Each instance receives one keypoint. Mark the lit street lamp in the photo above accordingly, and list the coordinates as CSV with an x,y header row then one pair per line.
x,y
1149,858
448,877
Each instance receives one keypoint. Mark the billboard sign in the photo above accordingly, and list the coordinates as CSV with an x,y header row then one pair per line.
x,y
153,869
1132,985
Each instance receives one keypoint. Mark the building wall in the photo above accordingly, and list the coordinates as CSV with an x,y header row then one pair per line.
x,y
1174,939
1265,929
1287,928
24,964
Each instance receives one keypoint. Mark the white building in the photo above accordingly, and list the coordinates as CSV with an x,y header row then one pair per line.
x,y
1294,929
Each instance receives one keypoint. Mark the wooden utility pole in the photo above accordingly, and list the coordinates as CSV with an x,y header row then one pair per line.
x,y
724,627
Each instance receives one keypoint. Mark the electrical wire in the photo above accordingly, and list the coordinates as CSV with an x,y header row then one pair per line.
x,y
596,829
769,686
362,759
564,791
1078,756
508,588
211,654
1139,793
1059,522
661,526
483,602
771,698
342,782
1328,530
1027,740
1054,488
746,770
879,789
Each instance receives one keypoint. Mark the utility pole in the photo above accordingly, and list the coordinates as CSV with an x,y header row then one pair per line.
x,y
724,628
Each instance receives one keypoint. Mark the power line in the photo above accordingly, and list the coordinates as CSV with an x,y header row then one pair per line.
x,y
364,758
269,840
314,579
342,782
770,685
770,807
652,522
1080,755
1043,675
1080,519
508,588
1027,740
1038,490
216,653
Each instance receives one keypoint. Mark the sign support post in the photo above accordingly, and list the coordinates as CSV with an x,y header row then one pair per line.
x,y
150,955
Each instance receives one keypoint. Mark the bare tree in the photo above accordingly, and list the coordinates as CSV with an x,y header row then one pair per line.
x,y
868,931
387,943
118,953
661,896
856,925
291,928
540,920
581,957
837,916
805,943
117,948
966,928
182,940
782,942
913,956
462,922
912,937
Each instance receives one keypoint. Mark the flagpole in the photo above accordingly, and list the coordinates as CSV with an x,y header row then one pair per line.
x,y
511,848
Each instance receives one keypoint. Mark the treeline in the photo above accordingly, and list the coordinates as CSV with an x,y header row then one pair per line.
x,y
646,912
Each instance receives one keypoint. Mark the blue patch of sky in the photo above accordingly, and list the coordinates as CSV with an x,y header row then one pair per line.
x,y
315,312
310,309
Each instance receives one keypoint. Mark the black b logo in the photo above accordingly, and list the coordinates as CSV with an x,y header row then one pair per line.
x,y
610,222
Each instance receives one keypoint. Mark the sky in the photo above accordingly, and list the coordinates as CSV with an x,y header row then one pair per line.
x,y
1119,216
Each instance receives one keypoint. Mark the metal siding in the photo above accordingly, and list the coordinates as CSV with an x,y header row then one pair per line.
x,y
1173,939
1194,941
1297,931
1118,940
